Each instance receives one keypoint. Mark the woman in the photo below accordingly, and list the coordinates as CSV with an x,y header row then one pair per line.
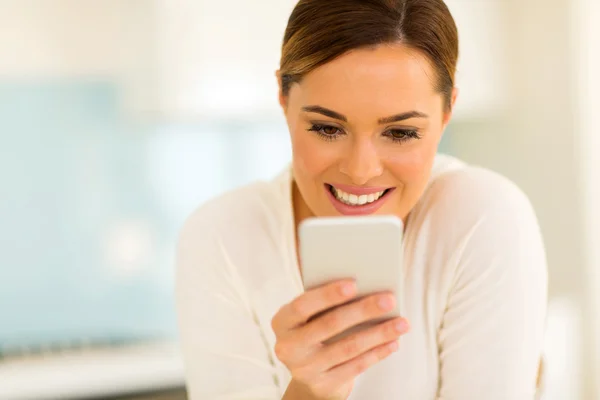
x,y
367,88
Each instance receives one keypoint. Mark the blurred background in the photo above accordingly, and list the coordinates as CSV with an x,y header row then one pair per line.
x,y
119,117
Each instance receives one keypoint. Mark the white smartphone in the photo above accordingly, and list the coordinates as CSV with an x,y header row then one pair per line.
x,y
367,249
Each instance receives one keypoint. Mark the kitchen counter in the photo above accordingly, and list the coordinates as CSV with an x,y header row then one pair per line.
x,y
94,373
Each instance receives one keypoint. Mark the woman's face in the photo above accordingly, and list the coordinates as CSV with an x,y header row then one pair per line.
x,y
365,129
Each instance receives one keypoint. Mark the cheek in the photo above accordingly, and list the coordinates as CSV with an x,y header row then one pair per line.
x,y
312,156
413,165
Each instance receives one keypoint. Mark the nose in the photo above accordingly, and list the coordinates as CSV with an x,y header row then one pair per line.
x,y
362,163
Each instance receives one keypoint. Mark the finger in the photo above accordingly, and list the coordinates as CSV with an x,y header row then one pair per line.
x,y
313,302
360,343
353,368
345,317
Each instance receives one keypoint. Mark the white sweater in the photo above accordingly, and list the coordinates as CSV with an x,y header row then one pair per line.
x,y
475,293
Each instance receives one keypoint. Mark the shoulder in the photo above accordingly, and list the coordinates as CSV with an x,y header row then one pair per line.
x,y
251,208
475,228
469,212
236,236
459,193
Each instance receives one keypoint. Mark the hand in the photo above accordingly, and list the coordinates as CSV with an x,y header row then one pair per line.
x,y
329,371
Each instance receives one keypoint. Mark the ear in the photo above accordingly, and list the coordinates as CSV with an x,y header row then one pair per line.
x,y
282,99
448,114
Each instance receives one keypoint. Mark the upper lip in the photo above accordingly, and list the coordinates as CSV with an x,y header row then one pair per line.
x,y
359,190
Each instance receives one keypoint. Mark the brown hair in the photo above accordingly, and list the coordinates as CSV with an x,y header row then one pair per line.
x,y
319,31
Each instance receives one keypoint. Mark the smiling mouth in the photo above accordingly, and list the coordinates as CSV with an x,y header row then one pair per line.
x,y
357,200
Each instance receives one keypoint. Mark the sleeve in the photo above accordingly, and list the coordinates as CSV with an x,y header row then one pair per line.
x,y
491,335
225,353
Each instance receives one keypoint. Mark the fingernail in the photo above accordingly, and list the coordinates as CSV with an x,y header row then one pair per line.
x,y
347,289
386,303
393,346
401,326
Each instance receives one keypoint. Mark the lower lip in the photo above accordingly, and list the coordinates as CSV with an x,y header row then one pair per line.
x,y
366,209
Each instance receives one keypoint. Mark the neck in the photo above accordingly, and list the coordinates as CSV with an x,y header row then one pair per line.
x,y
301,210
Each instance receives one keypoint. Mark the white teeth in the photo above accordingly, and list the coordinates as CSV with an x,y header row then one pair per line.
x,y
354,200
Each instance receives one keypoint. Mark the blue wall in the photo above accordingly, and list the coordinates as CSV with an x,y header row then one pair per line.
x,y
72,171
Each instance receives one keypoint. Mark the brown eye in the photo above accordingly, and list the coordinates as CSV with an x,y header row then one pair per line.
x,y
396,134
330,130
401,135
326,132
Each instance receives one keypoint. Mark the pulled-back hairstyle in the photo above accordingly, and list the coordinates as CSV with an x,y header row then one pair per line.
x,y
319,31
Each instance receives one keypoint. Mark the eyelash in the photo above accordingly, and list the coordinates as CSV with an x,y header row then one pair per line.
x,y
407,134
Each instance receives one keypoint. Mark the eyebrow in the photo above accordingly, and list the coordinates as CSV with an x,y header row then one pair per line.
x,y
387,120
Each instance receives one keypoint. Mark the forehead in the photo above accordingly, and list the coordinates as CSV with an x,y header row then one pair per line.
x,y
386,79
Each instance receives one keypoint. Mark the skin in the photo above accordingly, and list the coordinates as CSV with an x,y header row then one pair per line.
x,y
364,86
